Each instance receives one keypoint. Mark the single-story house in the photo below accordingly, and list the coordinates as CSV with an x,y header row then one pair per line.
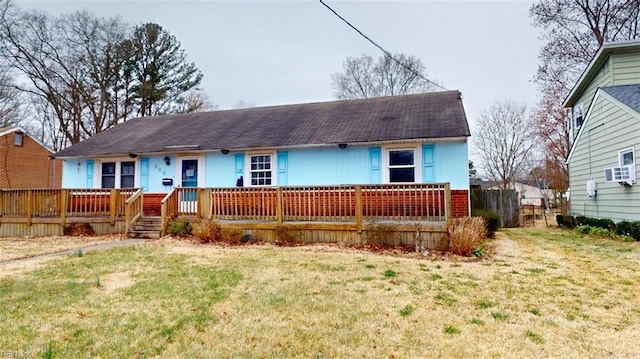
x,y
418,138
529,195
25,162
605,107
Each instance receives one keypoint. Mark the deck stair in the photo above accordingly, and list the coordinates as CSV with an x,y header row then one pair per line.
x,y
146,227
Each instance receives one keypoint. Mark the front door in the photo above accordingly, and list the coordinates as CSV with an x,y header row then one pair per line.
x,y
189,197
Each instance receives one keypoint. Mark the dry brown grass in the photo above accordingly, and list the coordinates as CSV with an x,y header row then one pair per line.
x,y
542,294
466,235
23,247
206,231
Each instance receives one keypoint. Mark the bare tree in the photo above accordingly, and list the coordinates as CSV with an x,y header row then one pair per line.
x,y
574,31
504,140
363,77
244,104
12,103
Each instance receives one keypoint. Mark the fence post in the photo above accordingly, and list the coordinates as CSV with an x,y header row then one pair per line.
x,y
359,208
29,205
447,201
113,205
63,207
279,204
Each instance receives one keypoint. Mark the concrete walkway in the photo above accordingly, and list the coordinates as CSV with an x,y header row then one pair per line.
x,y
95,247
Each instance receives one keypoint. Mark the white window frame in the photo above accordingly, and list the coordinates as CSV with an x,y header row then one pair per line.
x,y
97,169
247,168
579,107
417,161
625,151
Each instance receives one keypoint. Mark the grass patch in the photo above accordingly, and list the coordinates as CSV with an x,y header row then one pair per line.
x,y
407,310
450,329
179,299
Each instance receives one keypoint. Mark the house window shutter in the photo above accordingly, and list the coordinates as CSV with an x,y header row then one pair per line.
x,y
375,165
144,173
89,173
283,165
239,166
428,164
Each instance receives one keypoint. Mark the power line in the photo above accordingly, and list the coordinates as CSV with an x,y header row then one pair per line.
x,y
381,48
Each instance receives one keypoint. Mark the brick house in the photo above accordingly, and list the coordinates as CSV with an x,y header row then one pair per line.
x,y
25,162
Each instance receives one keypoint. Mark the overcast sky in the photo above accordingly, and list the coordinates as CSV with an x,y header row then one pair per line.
x,y
271,53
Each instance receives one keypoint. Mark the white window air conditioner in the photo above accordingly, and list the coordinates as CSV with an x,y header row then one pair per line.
x,y
623,175
592,188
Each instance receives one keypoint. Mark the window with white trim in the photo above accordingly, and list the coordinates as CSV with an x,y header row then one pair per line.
x,y
626,157
578,117
118,174
261,170
402,165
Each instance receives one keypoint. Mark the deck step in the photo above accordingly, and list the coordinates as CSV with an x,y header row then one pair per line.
x,y
146,227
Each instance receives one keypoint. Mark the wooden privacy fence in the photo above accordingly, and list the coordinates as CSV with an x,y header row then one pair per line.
x,y
62,206
502,202
353,203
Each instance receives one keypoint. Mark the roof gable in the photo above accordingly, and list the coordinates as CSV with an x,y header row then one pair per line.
x,y
423,116
598,60
627,94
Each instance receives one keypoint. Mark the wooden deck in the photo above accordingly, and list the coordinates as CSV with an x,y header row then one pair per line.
x,y
318,213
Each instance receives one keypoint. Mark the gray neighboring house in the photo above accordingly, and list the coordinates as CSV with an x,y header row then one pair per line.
x,y
603,161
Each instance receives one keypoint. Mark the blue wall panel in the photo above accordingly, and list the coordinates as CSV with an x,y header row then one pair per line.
x,y
428,164
221,169
328,166
74,174
158,170
90,173
452,164
375,165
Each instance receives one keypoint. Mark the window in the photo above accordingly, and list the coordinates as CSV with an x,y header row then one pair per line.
x,y
118,174
127,174
402,166
578,117
260,170
108,175
17,139
626,157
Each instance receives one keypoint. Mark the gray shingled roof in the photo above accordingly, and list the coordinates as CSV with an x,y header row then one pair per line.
x,y
627,94
423,116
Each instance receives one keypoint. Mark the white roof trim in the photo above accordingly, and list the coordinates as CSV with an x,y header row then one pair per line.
x,y
615,101
20,129
276,148
600,56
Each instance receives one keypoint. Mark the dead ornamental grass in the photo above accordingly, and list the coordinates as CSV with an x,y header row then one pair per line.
x,y
542,294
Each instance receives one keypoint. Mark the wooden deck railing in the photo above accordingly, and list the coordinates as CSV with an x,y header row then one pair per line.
x,y
26,204
133,209
352,203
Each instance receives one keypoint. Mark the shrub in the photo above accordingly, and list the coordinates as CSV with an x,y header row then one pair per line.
x,y
382,235
628,228
206,231
602,232
566,221
492,221
583,229
78,230
596,222
466,235
180,227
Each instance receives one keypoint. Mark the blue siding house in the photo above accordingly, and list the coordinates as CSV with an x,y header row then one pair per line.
x,y
403,139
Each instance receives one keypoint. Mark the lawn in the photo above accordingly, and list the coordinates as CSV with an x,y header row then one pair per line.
x,y
541,294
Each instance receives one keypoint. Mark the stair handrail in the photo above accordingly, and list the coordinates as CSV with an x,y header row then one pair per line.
x,y
168,208
133,209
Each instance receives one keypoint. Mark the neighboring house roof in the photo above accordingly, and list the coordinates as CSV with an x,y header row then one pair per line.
x,y
592,69
627,94
623,93
435,115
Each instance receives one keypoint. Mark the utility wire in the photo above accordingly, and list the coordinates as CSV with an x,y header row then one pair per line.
x,y
381,48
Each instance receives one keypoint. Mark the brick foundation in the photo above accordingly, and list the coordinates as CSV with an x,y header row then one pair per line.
x,y
460,203
151,204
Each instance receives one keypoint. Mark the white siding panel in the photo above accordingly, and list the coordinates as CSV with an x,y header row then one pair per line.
x,y
626,68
